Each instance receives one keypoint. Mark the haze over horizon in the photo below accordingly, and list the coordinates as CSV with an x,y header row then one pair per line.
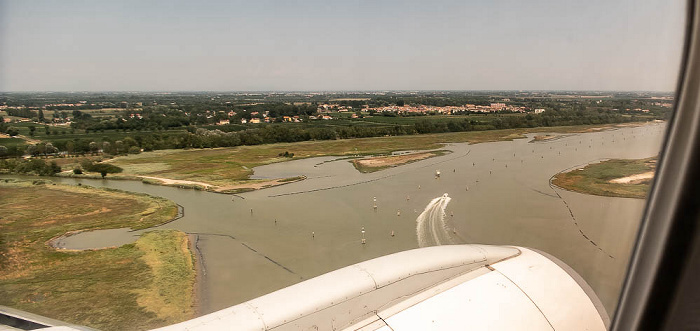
x,y
340,46
327,91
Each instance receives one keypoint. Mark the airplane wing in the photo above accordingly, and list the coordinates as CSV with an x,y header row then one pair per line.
x,y
451,287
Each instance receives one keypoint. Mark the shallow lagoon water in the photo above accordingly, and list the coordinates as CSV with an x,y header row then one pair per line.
x,y
257,242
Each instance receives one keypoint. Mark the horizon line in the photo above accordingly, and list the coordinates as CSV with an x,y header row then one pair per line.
x,y
333,91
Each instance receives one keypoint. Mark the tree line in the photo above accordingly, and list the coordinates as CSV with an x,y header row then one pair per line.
x,y
266,134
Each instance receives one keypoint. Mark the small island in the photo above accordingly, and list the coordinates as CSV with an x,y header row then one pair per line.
x,y
377,163
613,178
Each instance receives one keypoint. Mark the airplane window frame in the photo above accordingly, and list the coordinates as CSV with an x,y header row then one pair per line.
x,y
661,289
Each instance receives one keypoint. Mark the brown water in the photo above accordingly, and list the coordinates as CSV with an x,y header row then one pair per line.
x,y
301,230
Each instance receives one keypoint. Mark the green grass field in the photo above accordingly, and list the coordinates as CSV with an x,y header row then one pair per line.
x,y
136,286
7,142
595,178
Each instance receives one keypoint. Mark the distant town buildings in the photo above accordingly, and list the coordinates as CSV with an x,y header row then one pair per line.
x,y
449,110
498,106
663,104
56,113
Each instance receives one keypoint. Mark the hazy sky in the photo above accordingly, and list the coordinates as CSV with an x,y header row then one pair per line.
x,y
67,45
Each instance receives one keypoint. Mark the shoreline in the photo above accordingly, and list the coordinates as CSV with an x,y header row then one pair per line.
x,y
560,131
184,184
199,272
55,241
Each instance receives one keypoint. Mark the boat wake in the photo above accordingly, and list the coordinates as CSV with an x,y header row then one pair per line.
x,y
431,226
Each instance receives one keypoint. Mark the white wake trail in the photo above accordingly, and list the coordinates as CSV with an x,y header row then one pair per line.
x,y
431,226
